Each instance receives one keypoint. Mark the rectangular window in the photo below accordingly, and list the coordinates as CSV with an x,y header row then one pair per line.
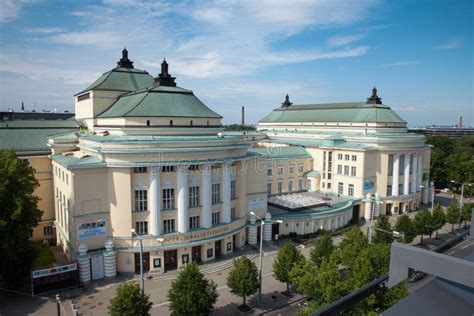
x,y
390,165
193,222
411,164
354,158
168,199
141,204
291,169
339,169
141,228
168,226
324,175
280,170
324,185
346,157
300,184
194,196
400,189
340,188
309,184
167,169
329,176
353,171
280,187
233,212
339,156
346,170
269,188
351,190
389,190
216,193
290,186
139,170
401,170
269,171
47,230
301,168
233,193
83,97
329,185
193,167
216,218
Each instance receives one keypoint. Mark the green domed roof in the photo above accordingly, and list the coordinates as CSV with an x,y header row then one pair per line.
x,y
160,101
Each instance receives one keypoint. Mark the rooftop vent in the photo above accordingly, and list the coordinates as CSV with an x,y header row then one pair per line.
x,y
164,78
124,62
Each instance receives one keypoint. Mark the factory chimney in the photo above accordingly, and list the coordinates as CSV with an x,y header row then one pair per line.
x,y
460,122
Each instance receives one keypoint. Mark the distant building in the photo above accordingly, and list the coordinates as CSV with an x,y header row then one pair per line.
x,y
453,132
12,115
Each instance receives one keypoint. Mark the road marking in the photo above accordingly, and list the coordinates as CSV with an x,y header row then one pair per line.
x,y
451,252
464,247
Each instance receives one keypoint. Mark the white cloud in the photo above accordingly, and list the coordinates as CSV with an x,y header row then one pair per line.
x,y
401,63
452,43
10,9
45,30
107,38
344,40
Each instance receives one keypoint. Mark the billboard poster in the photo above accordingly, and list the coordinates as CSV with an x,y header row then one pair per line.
x,y
92,229
369,184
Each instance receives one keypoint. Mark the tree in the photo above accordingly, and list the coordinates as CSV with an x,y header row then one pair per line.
x,y
287,257
466,212
191,293
243,278
423,224
129,301
323,248
405,226
351,245
453,215
19,214
384,234
438,218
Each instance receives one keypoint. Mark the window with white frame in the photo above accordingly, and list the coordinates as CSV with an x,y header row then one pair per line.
x,y
139,170
233,194
216,218
193,167
168,199
309,184
339,156
193,222
324,185
48,230
194,196
216,193
167,169
329,185
269,171
290,185
339,169
291,169
346,157
350,190
141,228
168,226
300,184
353,171
269,188
340,188
346,170
280,170
301,168
324,175
389,190
67,179
390,165
280,187
141,204
354,158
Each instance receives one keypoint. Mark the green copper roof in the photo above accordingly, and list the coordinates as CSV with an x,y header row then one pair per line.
x,y
356,112
72,161
290,152
160,101
121,79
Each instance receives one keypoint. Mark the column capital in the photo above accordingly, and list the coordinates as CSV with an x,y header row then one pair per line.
x,y
183,167
155,169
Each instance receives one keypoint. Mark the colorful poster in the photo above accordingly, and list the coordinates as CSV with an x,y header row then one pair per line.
x,y
92,229
369,184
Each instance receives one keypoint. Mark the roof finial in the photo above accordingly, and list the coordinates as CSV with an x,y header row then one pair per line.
x,y
22,106
374,98
287,102
124,62
164,78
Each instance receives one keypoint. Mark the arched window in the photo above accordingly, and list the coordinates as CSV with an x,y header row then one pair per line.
x,y
147,122
171,122
191,122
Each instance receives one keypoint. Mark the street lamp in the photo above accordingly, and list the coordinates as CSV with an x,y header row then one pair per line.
x,y
372,211
432,195
462,190
142,280
58,304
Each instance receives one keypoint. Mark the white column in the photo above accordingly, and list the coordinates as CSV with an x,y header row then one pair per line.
x,y
368,207
110,259
419,172
267,228
252,231
206,197
155,208
377,204
414,172
84,263
396,175
312,226
183,196
406,176
226,218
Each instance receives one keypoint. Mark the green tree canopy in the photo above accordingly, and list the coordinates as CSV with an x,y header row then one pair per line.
x,y
191,293
243,278
287,257
438,218
323,248
382,233
423,223
405,226
129,301
453,215
351,245
19,214
466,212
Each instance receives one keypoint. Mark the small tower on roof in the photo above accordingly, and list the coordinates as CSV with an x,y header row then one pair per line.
x,y
287,102
124,62
164,78
374,98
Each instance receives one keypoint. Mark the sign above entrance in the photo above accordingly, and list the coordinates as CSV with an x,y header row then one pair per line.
x,y
256,204
92,229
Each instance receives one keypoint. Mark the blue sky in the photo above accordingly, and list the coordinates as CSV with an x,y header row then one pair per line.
x,y
419,54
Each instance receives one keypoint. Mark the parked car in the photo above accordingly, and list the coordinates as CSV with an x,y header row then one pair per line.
x,y
416,276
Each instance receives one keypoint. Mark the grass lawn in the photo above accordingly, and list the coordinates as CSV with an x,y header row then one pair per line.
x,y
44,255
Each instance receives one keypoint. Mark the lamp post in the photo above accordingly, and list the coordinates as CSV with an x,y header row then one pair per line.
x,y
432,195
58,304
142,280
462,190
372,211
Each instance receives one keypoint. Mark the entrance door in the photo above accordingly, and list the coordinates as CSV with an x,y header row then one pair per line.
x,y
196,254
355,214
146,262
171,261
275,230
234,240
97,266
218,248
